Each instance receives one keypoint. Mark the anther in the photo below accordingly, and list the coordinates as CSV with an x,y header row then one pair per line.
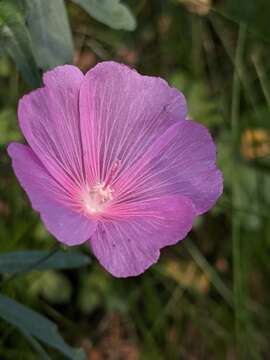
x,y
113,170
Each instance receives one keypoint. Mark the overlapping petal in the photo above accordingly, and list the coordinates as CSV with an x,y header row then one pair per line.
x,y
181,161
49,119
49,198
129,246
122,114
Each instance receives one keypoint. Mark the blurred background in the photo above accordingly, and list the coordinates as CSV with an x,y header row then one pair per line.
x,y
208,297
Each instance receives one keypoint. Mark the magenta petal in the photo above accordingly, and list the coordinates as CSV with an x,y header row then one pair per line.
x,y
50,121
128,247
122,114
182,161
46,195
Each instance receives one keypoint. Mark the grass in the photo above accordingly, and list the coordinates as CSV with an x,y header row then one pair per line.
x,y
239,301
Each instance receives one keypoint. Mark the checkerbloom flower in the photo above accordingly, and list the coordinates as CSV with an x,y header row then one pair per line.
x,y
113,162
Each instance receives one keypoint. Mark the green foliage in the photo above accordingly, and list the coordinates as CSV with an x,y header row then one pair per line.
x,y
110,12
97,290
8,132
37,34
202,107
254,14
22,261
15,40
34,325
48,284
50,32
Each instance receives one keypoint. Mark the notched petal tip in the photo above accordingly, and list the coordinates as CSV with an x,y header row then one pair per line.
x,y
175,104
64,76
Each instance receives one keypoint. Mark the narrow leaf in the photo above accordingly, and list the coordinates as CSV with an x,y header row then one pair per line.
x,y
36,345
34,324
21,261
110,12
15,40
50,32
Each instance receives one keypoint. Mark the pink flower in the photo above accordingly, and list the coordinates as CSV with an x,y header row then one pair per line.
x,y
112,161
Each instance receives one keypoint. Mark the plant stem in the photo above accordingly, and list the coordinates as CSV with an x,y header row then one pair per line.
x,y
236,235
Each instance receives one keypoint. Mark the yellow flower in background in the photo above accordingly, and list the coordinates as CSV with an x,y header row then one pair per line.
x,y
255,143
200,7
188,276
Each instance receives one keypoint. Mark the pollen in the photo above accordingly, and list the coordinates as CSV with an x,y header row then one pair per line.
x,y
96,199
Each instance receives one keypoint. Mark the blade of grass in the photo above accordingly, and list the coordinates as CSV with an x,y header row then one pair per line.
x,y
224,291
214,71
207,269
224,39
262,78
236,236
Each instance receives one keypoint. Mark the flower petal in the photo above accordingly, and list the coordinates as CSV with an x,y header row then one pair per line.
x,y
128,247
182,161
49,119
47,197
122,114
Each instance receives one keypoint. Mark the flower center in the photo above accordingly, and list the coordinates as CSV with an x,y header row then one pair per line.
x,y
95,199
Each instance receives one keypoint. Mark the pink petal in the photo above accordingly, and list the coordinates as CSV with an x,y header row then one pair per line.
x,y
47,197
122,114
182,161
49,119
128,247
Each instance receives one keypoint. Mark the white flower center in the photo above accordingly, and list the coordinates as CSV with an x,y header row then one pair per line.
x,y
95,200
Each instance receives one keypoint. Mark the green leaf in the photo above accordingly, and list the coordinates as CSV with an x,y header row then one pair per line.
x,y
50,32
109,12
36,345
35,325
15,40
21,261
